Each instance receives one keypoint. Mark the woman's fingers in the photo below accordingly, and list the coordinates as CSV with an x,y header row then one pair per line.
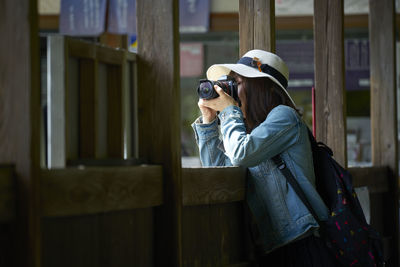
x,y
220,92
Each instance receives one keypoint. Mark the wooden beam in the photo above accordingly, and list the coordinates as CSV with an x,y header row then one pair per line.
x,y
110,55
202,186
264,25
81,49
159,116
49,22
383,84
224,22
376,178
384,131
329,76
246,26
20,120
256,25
230,22
76,191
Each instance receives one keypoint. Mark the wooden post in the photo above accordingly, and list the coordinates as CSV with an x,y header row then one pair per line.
x,y
383,103
159,117
256,25
329,76
20,119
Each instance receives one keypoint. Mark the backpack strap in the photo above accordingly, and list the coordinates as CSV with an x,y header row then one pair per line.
x,y
280,163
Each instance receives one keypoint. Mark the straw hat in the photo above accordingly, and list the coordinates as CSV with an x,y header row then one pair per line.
x,y
255,63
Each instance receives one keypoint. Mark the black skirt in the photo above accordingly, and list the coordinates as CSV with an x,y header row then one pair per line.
x,y
307,252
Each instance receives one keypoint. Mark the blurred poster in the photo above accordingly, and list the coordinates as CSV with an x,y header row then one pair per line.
x,y
191,59
194,15
299,56
122,17
82,17
357,64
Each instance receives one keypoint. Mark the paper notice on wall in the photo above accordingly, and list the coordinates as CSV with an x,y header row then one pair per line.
x,y
82,17
191,59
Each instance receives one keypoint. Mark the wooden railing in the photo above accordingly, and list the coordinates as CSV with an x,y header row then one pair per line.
x,y
212,204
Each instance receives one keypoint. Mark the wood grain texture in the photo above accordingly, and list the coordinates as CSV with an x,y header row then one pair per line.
x,y
75,191
376,178
7,194
329,76
159,116
264,25
119,238
202,186
246,26
256,25
213,235
384,132
383,84
20,120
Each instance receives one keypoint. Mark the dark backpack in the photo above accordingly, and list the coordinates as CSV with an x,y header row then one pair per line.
x,y
348,236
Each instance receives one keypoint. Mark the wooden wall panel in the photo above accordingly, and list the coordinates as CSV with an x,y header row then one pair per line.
x,y
115,138
212,185
7,193
87,107
329,76
123,238
213,235
384,130
7,215
159,116
20,119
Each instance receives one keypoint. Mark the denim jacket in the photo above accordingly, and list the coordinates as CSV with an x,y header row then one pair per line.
x,y
280,215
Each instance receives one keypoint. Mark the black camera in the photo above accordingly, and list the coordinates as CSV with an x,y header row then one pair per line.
x,y
227,83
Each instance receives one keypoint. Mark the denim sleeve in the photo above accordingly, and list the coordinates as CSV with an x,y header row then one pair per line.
x,y
279,131
211,148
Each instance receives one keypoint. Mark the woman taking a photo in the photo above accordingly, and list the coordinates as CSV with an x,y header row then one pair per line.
x,y
266,124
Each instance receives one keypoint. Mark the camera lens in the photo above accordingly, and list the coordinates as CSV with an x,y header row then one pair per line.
x,y
206,90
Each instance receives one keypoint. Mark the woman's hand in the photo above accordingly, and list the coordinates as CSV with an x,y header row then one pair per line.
x,y
210,107
208,114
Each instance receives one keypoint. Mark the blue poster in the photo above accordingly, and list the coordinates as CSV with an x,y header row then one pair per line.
x,y
122,17
82,17
194,15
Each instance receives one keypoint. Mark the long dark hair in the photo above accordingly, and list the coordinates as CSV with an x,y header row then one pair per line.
x,y
262,95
